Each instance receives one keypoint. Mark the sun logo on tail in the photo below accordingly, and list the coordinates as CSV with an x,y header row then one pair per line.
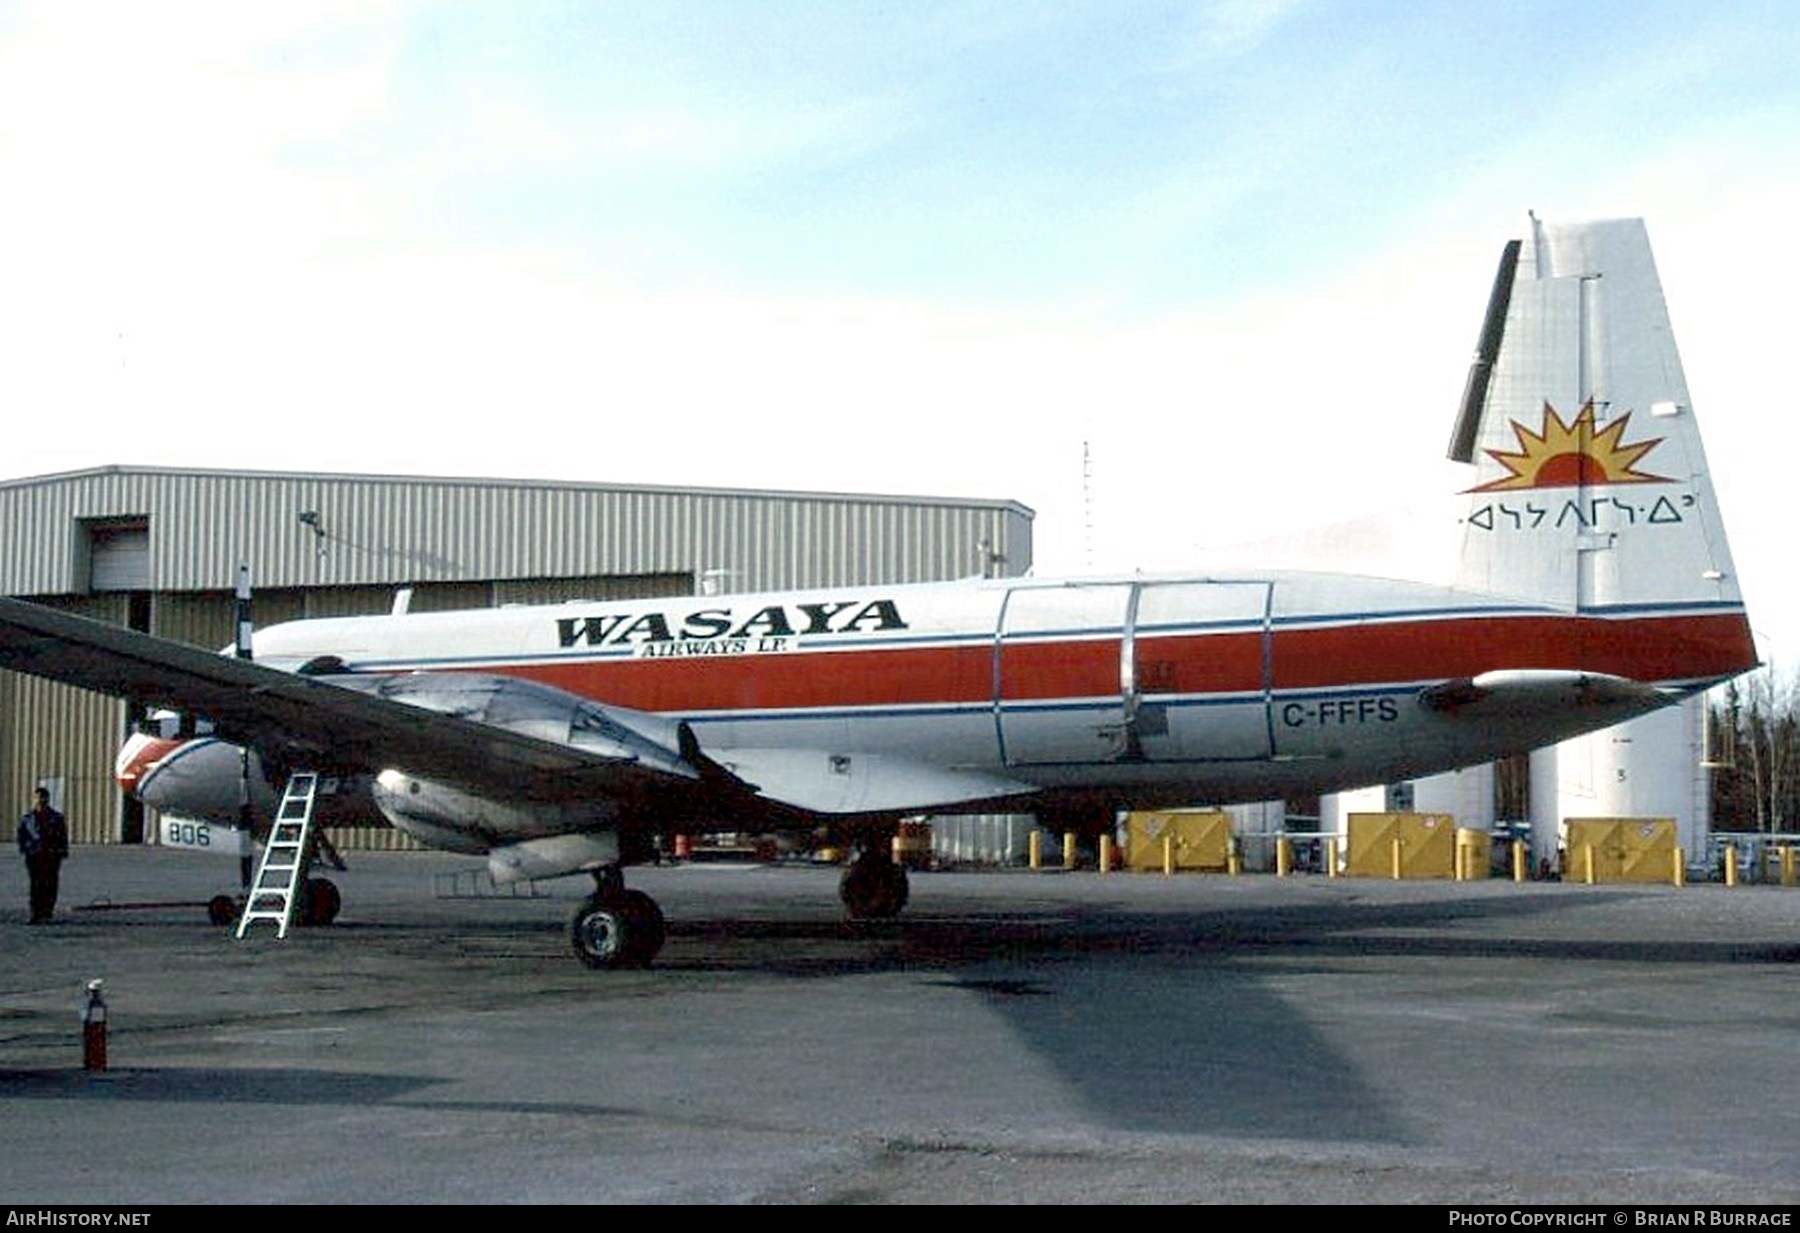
x,y
1571,455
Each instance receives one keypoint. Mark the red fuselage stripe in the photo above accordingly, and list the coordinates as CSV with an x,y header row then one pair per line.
x,y
1649,649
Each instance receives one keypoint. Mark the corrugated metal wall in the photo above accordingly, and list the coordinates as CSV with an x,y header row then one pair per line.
x,y
460,544
51,733
382,530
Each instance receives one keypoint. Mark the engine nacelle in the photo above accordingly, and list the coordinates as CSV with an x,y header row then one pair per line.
x,y
459,821
553,856
205,778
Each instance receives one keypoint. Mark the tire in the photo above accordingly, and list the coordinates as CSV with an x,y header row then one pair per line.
x,y
222,910
320,902
623,930
873,888
597,933
645,928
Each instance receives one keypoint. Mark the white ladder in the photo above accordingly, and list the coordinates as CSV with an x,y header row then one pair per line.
x,y
276,887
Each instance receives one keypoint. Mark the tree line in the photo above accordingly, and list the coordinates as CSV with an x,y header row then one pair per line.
x,y
1753,751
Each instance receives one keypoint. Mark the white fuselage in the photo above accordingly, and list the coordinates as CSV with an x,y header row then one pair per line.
x,y
1150,690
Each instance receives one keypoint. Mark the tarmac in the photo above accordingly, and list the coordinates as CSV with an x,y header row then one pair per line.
x,y
1013,1038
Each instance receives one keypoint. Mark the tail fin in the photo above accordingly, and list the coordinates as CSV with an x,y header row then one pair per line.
x,y
1591,490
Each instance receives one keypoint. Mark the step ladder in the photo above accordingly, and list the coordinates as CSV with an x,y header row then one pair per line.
x,y
276,888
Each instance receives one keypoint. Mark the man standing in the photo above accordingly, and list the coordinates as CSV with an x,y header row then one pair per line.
x,y
44,840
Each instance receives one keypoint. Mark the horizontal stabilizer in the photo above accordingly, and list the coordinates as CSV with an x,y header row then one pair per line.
x,y
859,783
1525,693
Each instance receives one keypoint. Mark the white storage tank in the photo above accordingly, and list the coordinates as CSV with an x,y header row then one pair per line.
x,y
1648,768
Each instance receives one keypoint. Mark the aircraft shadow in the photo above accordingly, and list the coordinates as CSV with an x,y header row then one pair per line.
x,y
1165,1023
200,1084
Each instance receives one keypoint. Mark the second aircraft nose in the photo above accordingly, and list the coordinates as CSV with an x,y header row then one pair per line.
x,y
139,757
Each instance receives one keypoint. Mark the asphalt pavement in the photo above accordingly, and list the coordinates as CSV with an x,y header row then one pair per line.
x,y
1014,1038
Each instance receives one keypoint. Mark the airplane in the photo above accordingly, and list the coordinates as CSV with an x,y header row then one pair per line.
x,y
1595,585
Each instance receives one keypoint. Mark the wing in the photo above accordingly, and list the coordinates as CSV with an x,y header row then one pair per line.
x,y
345,725
492,736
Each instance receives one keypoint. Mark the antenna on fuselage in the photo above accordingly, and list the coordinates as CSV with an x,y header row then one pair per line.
x,y
1087,506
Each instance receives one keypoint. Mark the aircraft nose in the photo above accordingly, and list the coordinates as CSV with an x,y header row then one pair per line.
x,y
139,756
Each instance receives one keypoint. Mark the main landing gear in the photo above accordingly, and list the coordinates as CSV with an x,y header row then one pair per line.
x,y
319,904
873,887
619,928
615,927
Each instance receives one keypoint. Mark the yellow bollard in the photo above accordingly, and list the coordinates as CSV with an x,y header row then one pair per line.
x,y
1037,849
1587,863
1068,849
1679,862
1521,861
1731,865
1331,869
1787,865
1169,853
1284,857
1396,854
1106,853
1234,858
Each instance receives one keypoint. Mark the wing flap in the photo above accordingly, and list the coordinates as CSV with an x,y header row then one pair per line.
x,y
821,782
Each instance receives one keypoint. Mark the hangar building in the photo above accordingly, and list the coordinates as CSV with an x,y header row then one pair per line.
x,y
159,550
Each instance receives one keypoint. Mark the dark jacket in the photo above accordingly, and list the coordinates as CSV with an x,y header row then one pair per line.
x,y
44,833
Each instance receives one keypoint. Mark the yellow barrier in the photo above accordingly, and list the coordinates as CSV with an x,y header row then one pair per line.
x,y
1182,839
1620,849
1400,845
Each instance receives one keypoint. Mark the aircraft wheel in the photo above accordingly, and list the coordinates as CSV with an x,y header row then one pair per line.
x,y
319,901
597,932
625,930
222,910
873,888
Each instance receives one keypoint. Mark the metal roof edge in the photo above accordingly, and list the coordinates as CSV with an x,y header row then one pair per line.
x,y
350,477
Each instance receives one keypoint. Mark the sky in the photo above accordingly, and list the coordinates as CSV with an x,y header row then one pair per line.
x,y
1190,280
